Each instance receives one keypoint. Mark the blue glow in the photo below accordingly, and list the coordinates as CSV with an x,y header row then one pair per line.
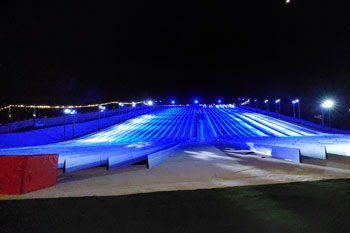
x,y
277,101
266,101
133,104
295,101
256,100
173,102
219,101
196,101
161,127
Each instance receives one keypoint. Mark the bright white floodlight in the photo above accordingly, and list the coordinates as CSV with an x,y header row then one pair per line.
x,y
102,108
327,104
150,102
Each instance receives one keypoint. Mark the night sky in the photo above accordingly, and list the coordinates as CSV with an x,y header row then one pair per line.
x,y
90,51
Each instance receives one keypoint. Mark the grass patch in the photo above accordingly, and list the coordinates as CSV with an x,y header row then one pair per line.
x,y
321,206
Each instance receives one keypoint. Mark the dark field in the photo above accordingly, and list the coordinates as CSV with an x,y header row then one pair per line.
x,y
322,206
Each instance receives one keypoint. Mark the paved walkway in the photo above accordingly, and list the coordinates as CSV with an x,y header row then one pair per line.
x,y
195,167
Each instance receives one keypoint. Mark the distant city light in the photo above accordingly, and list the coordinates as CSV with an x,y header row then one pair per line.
x,y
133,104
150,102
295,101
219,101
173,102
196,101
277,101
121,104
327,104
266,101
256,100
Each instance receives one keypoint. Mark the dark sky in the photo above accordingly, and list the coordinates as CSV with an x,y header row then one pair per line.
x,y
87,51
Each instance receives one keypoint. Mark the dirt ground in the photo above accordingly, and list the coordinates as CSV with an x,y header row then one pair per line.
x,y
194,167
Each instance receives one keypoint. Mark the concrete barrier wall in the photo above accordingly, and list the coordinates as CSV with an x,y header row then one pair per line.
x,y
286,153
121,160
56,134
158,157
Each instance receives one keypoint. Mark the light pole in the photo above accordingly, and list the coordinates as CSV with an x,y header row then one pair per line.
x,y
327,105
267,104
278,105
294,102
73,112
101,108
10,114
34,116
120,107
256,103
68,112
